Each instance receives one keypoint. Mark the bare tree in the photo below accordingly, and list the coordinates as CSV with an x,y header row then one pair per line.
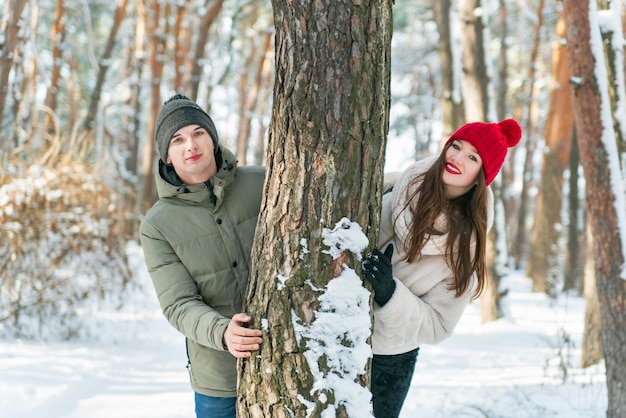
x,y
182,40
476,79
574,258
9,35
477,104
104,64
251,89
529,90
325,160
57,37
592,335
158,43
604,187
134,69
203,34
451,99
543,265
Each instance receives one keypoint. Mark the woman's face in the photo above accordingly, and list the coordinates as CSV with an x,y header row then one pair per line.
x,y
191,153
463,164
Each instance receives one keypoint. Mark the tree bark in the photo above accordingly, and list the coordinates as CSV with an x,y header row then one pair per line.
x,y
325,160
604,187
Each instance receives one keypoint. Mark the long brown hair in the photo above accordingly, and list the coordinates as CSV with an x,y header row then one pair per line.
x,y
467,219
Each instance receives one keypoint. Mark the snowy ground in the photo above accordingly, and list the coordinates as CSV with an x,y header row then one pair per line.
x,y
524,365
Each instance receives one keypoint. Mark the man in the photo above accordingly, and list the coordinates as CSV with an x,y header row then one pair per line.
x,y
197,240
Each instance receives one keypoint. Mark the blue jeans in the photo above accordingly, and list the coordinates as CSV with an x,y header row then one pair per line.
x,y
211,407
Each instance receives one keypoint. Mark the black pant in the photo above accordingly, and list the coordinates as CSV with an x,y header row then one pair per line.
x,y
391,379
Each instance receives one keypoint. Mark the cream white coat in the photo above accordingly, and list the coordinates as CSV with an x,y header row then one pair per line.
x,y
422,309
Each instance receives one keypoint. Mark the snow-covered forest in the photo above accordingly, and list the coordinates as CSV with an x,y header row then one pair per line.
x,y
81,83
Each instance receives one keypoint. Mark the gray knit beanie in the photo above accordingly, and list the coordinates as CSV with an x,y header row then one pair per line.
x,y
179,111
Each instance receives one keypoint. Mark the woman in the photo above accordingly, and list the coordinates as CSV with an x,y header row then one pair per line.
x,y
436,217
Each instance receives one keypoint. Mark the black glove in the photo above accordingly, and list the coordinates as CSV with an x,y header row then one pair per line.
x,y
377,271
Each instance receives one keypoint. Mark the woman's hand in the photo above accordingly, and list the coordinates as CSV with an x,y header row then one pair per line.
x,y
377,270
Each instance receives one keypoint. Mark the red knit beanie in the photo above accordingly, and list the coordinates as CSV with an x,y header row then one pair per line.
x,y
491,140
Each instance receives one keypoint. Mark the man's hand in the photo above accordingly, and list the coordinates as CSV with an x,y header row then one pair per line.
x,y
239,340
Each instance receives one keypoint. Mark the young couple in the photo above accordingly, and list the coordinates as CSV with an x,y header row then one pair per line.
x,y
198,236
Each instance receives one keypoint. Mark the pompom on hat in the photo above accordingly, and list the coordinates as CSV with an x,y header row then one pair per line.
x,y
177,112
491,140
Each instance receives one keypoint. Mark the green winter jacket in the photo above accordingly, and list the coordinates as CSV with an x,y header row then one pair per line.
x,y
198,256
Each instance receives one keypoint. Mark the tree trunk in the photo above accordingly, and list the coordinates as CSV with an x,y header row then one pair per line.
x,y
325,161
476,79
530,127
23,94
203,35
592,333
503,62
258,152
182,41
604,186
103,65
57,37
158,43
503,187
614,50
477,104
490,298
543,265
574,258
451,99
10,29
250,91
132,120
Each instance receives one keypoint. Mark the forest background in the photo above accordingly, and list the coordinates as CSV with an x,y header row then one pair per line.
x,y
81,83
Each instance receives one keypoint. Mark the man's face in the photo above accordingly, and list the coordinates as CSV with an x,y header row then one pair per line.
x,y
191,152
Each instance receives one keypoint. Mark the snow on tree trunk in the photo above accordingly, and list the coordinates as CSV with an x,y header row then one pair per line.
x,y
604,186
324,175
